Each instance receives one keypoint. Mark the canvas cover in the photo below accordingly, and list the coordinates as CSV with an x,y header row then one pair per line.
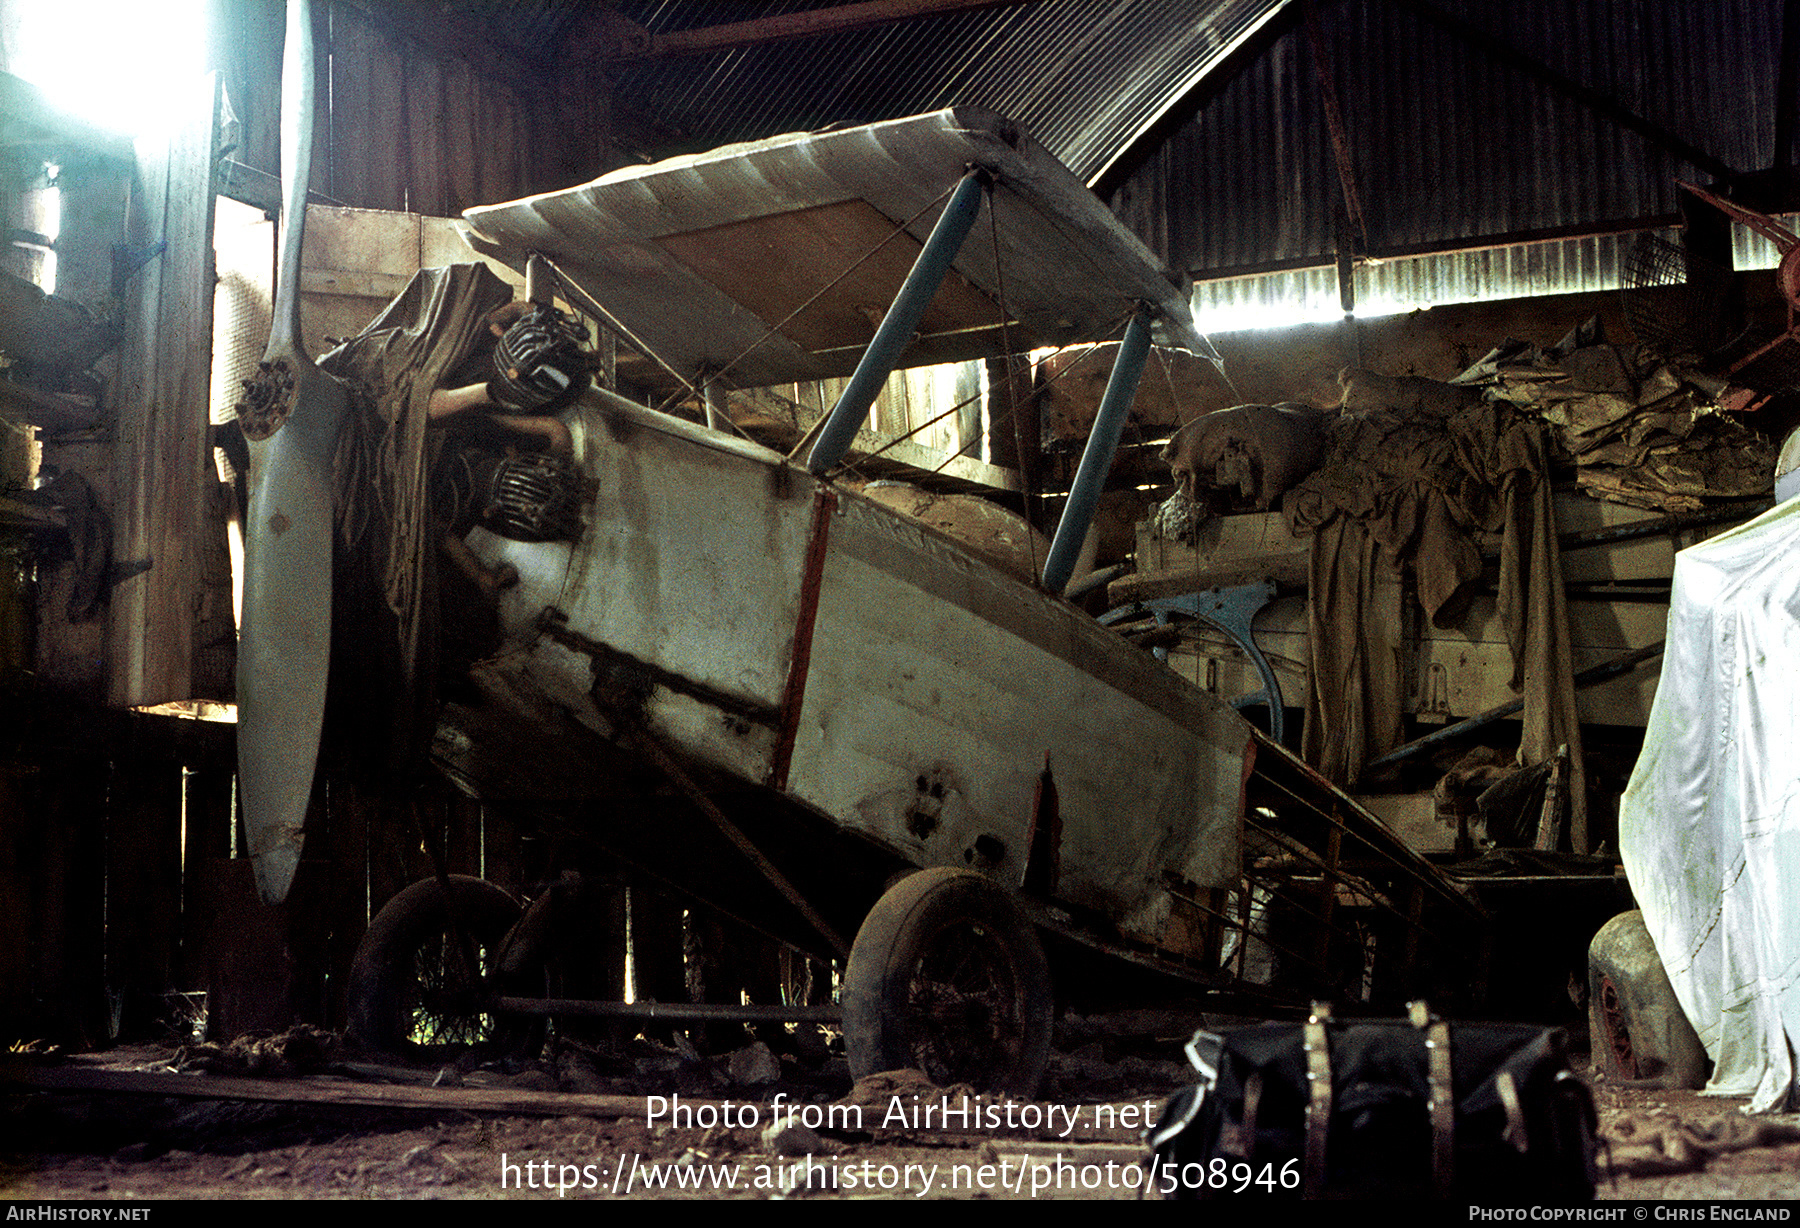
x,y
1709,826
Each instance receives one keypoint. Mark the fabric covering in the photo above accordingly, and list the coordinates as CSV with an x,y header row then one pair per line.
x,y
1419,467
1642,431
394,364
384,627
1709,826
1353,623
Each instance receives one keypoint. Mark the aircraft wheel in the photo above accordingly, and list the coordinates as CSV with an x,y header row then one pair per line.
x,y
411,993
947,976
1636,1028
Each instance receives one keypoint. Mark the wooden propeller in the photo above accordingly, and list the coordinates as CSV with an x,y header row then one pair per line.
x,y
291,420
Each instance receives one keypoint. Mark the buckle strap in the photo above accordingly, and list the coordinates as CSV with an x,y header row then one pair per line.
x,y
1516,1135
1442,1103
1318,1105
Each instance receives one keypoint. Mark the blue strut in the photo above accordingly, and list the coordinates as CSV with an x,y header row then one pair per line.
x,y
898,326
1097,458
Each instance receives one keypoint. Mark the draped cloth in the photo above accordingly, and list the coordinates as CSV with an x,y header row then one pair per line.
x,y
1420,468
1354,676
383,694
1709,827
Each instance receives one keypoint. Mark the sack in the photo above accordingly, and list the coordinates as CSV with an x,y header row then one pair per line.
x,y
1379,1109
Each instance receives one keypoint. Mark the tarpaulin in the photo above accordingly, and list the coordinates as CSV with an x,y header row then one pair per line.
x,y
1709,826
382,706
1421,466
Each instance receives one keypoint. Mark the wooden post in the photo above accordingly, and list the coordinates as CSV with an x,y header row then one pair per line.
x,y
52,882
343,909
657,947
169,636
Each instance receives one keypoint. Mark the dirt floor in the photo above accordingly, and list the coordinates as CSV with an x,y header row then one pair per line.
x,y
660,1123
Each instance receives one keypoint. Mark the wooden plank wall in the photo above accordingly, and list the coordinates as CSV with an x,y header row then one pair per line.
x,y
52,776
407,129
170,635
52,886
116,878
119,888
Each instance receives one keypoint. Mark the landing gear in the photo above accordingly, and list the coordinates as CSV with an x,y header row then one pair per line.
x,y
412,993
947,976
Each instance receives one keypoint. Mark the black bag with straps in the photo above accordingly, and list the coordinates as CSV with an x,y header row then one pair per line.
x,y
1378,1109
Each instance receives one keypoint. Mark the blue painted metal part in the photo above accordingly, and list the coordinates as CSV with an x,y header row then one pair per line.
x,y
1231,611
1097,458
898,326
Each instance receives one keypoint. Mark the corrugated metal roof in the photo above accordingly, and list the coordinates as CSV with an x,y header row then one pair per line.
x,y
1387,287
1085,77
1449,141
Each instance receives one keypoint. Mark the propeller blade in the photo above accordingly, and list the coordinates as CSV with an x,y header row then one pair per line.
x,y
291,419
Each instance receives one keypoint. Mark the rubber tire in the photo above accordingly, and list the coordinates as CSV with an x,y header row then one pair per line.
x,y
1636,1029
922,920
384,979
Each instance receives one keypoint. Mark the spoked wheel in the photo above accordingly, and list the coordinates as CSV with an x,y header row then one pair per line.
x,y
947,976
1613,1032
412,993
1635,1023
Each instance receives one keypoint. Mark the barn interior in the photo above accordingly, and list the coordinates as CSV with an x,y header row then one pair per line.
x,y
1494,318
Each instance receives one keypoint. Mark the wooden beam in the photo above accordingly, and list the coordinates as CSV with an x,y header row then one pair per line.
x,y
353,283
319,1091
1286,568
1340,148
46,409
84,1077
834,20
